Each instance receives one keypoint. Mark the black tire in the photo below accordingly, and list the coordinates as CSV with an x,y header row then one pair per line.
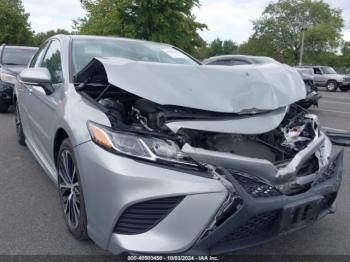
x,y
19,128
345,88
72,199
4,109
332,86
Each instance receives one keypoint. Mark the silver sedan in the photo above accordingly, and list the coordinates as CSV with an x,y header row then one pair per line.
x,y
154,153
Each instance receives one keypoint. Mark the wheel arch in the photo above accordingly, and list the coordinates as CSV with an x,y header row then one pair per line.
x,y
332,80
60,136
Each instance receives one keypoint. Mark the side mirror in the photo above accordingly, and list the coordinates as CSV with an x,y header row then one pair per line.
x,y
37,77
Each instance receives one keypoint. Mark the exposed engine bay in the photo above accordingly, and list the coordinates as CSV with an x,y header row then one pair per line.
x,y
282,146
129,112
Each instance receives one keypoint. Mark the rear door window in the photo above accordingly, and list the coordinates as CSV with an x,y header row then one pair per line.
x,y
226,62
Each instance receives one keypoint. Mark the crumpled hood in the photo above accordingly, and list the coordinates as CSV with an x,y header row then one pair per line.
x,y
212,88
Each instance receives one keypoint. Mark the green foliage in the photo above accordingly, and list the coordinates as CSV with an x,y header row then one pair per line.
x,y
259,46
283,22
14,26
217,47
168,21
40,38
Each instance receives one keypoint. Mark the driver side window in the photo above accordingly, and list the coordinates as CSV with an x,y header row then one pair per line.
x,y
38,56
52,61
317,71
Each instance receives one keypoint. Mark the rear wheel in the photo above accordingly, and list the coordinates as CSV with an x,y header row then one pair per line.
x,y
70,192
4,108
332,86
19,128
345,88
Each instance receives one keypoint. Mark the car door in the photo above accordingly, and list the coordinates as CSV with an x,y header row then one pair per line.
x,y
23,96
319,79
43,107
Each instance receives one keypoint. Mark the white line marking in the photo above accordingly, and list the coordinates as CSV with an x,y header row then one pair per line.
x,y
333,111
335,129
334,102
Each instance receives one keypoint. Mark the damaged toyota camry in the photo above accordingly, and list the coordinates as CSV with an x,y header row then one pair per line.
x,y
153,153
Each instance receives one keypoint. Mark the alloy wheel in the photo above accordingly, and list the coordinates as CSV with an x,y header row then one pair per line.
x,y
332,86
69,188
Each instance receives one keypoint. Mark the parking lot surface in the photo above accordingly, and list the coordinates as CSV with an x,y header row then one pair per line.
x,y
31,222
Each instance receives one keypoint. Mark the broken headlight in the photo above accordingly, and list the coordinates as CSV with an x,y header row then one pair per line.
x,y
7,78
133,145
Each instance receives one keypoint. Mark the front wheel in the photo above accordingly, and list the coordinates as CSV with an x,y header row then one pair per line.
x,y
19,128
70,192
332,86
345,88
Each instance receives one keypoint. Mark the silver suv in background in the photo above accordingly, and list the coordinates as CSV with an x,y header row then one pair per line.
x,y
326,76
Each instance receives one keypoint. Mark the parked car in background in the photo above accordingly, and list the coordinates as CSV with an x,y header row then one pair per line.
x,y
153,153
230,60
312,92
312,97
326,76
13,59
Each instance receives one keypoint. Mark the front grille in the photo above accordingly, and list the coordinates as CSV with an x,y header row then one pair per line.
x,y
254,227
347,79
142,217
255,188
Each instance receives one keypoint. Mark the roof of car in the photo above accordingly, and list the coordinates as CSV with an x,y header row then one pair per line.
x,y
213,58
246,57
310,66
20,47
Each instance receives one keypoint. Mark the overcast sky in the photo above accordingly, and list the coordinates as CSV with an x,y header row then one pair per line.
x,y
228,19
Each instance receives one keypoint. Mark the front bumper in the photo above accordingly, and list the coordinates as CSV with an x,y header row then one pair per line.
x,y
344,84
112,184
261,220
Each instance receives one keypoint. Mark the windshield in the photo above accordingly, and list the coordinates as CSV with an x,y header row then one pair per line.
x,y
84,50
17,56
328,70
263,60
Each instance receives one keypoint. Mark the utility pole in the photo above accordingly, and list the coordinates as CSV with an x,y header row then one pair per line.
x,y
302,46
306,25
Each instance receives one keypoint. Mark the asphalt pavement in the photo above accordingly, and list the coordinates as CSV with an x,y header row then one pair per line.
x,y
31,221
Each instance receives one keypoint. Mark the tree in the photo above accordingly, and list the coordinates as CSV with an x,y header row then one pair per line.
x,y
168,21
40,38
229,47
283,23
219,47
14,26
